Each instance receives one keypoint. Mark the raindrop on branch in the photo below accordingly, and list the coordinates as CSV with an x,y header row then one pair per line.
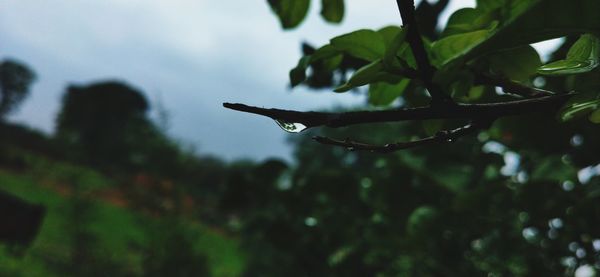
x,y
291,127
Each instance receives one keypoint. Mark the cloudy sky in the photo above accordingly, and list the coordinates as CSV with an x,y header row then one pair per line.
x,y
190,55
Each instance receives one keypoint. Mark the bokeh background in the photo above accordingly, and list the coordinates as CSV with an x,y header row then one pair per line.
x,y
148,175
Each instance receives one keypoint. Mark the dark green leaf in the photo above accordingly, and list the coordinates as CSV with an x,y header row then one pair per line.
x,y
364,44
595,116
586,47
388,33
528,22
383,94
395,47
582,57
326,51
446,49
362,76
421,220
298,74
490,4
517,64
469,20
578,107
332,10
290,12
564,67
369,73
432,126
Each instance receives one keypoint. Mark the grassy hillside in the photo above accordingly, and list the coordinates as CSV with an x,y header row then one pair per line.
x,y
89,222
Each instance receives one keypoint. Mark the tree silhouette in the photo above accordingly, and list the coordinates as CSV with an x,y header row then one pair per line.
x,y
105,119
15,79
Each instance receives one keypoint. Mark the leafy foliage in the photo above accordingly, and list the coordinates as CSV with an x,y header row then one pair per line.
x,y
516,200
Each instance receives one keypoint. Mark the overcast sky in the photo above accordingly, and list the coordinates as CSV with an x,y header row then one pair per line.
x,y
191,54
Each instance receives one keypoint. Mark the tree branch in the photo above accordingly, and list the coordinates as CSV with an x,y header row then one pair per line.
x,y
424,67
458,111
440,137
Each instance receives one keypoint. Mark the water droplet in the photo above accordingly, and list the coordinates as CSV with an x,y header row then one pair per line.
x,y
350,148
291,127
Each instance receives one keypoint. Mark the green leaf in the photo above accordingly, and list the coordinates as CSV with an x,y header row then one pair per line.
x,y
362,76
383,94
469,20
576,108
290,12
518,64
564,67
528,22
421,220
326,51
595,116
448,48
364,44
553,169
369,73
332,10
585,48
330,64
586,83
298,74
582,57
432,126
490,4
388,33
395,47
463,81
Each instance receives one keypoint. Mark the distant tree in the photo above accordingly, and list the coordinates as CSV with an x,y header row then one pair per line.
x,y
15,79
103,119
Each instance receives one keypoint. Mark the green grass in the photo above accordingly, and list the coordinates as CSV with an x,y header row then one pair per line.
x,y
120,233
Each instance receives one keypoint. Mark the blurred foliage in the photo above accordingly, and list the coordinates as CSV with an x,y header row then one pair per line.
x,y
517,200
92,230
504,205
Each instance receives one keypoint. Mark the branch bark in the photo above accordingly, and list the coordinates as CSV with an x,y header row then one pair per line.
x,y
424,67
458,111
440,137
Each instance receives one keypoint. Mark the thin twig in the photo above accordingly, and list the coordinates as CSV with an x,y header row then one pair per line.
x,y
458,111
424,67
439,137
